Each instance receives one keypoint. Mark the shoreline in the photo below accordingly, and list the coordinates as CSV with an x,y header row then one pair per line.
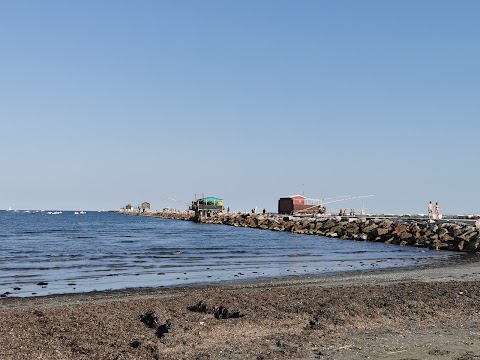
x,y
466,264
419,312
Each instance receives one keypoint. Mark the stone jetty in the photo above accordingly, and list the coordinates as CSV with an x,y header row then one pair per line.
x,y
441,235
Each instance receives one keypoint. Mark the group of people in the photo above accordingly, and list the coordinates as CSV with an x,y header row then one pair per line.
x,y
437,211
343,212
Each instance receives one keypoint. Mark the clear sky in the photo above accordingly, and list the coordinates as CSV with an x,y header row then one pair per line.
x,y
104,103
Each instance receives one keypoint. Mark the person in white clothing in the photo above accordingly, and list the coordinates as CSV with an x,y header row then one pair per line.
x,y
437,210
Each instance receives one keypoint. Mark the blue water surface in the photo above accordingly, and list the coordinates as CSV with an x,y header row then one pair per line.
x,y
42,253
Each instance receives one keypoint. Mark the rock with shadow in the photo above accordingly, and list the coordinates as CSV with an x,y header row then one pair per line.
x,y
150,319
220,312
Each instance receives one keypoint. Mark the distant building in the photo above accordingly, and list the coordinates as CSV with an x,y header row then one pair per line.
x,y
298,204
206,207
145,206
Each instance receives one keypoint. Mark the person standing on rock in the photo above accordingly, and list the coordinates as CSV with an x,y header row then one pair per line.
x,y
437,210
430,210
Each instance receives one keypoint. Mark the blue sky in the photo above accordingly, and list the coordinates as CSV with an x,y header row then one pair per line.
x,y
108,102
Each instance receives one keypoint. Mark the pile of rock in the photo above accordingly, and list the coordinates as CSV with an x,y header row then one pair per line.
x,y
172,215
401,231
425,233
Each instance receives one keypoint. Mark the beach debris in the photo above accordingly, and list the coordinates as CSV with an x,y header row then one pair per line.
x,y
135,344
79,350
464,293
223,313
150,348
38,313
153,350
199,307
163,329
219,312
282,346
438,352
150,319
311,324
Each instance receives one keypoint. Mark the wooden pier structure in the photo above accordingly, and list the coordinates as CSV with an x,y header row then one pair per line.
x,y
206,207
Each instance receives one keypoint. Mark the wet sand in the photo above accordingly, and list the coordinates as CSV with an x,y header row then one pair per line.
x,y
418,313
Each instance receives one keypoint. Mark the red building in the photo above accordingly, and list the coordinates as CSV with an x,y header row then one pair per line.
x,y
298,204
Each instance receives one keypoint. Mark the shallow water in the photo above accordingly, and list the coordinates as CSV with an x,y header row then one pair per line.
x,y
108,251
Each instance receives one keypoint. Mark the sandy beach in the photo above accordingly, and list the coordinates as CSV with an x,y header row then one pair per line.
x,y
418,313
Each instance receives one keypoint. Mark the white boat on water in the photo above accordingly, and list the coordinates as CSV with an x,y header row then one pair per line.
x,y
10,208
80,212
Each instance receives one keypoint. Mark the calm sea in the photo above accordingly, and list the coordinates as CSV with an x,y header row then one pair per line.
x,y
42,254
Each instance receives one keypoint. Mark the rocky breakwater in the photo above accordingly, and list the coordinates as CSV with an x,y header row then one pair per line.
x,y
405,232
171,215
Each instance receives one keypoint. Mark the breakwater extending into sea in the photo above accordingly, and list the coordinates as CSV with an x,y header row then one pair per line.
x,y
440,235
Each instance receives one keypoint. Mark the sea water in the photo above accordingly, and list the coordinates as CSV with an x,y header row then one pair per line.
x,y
43,253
